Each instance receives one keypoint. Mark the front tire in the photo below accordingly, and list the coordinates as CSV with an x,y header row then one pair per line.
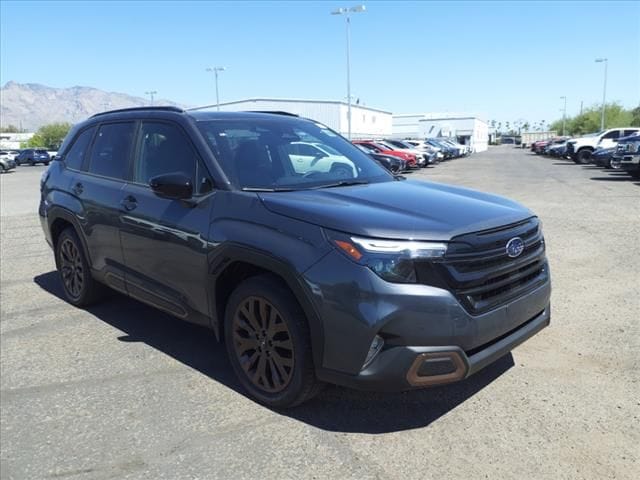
x,y
268,342
583,156
79,286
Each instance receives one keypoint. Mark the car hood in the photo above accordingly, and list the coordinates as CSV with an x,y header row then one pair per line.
x,y
398,209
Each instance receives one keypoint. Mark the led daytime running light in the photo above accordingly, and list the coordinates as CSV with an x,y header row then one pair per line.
x,y
415,249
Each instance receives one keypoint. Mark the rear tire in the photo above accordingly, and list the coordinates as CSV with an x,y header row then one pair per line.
x,y
79,286
268,342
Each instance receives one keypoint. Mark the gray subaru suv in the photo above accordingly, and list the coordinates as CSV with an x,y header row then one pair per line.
x,y
310,269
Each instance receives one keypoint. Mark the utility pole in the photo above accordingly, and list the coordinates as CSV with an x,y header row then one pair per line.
x,y
604,90
346,11
151,93
215,71
564,115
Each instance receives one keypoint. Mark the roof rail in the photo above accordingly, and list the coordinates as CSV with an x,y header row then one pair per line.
x,y
274,112
166,108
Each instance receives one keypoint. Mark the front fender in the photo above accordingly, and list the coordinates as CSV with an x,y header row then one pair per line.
x,y
228,253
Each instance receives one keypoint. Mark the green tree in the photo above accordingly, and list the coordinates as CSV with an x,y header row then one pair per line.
x,y
635,117
50,136
9,129
589,120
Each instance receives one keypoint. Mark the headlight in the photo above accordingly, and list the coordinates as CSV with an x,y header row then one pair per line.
x,y
392,260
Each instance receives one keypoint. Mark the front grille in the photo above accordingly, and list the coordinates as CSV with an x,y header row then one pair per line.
x,y
482,276
570,148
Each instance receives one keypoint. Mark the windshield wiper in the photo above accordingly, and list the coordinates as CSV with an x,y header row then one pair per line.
x,y
267,189
344,183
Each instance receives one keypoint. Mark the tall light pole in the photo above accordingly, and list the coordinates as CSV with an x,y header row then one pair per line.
x,y
151,93
604,90
346,11
215,71
564,115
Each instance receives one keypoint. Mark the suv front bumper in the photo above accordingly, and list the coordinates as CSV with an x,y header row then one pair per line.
x,y
420,325
407,367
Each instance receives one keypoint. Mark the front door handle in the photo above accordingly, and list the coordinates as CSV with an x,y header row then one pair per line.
x,y
129,203
78,188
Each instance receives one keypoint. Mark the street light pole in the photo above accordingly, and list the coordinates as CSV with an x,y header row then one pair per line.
x,y
151,93
564,115
604,90
215,71
346,11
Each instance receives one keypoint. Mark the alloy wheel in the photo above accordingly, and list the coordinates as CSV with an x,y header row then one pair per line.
x,y
71,268
263,344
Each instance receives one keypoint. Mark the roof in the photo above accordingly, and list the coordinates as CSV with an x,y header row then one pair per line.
x,y
292,100
201,115
198,114
439,116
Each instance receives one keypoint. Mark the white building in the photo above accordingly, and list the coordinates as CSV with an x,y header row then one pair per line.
x,y
465,129
12,141
366,122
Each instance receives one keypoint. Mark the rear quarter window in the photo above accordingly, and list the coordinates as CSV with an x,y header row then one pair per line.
x,y
75,157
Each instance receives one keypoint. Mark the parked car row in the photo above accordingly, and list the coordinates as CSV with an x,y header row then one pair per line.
x,y
26,156
615,148
401,155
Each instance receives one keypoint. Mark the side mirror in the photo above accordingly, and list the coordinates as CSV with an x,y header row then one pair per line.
x,y
175,186
56,158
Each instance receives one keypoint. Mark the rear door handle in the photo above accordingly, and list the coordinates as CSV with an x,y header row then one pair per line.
x,y
78,188
129,203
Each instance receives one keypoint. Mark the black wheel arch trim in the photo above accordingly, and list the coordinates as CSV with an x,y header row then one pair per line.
x,y
61,213
228,253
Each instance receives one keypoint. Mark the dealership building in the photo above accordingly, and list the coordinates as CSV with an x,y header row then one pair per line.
x,y
465,129
366,122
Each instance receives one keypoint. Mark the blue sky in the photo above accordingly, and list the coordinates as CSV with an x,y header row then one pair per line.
x,y
503,60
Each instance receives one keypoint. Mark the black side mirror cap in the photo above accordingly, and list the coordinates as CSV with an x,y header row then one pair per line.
x,y
175,186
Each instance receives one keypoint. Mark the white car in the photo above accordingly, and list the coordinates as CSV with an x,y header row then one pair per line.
x,y
580,149
309,157
10,154
425,147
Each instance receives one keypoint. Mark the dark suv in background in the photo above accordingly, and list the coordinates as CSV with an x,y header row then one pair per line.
x,y
309,271
32,156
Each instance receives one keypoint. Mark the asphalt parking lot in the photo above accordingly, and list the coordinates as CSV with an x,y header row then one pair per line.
x,y
124,391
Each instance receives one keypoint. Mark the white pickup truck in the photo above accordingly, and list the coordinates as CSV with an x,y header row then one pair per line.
x,y
581,148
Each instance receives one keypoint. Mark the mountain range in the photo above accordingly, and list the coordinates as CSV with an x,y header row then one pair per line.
x,y
31,105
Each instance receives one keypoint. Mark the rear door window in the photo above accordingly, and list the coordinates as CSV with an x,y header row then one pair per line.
x,y
612,135
112,149
74,158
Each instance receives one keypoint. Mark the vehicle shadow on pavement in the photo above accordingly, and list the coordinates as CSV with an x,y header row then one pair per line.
x,y
335,408
614,178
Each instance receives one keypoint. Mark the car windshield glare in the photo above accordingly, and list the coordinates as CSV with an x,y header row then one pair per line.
x,y
283,154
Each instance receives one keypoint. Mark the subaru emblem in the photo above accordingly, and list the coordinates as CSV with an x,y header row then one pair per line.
x,y
515,247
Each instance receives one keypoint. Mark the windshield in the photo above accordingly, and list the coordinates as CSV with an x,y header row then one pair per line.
x,y
287,154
